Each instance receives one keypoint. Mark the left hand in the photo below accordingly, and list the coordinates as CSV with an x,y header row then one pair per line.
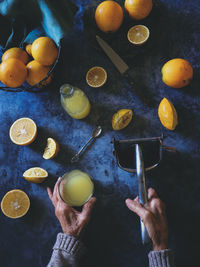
x,y
72,221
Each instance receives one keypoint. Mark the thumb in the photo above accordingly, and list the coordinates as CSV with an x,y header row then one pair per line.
x,y
87,208
136,207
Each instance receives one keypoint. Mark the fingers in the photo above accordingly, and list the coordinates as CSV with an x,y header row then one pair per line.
x,y
50,194
87,209
55,191
136,207
152,193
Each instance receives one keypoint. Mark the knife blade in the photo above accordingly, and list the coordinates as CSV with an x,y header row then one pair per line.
x,y
140,91
114,57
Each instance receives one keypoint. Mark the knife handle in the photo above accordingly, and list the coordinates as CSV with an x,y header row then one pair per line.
x,y
141,91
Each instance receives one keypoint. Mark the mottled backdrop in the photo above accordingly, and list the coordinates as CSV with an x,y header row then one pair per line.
x,y
113,235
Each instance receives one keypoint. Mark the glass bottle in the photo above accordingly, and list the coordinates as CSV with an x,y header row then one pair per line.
x,y
74,101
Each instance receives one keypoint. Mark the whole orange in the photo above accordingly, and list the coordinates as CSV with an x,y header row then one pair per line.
x,y
177,73
109,16
28,49
138,9
37,72
44,50
13,72
16,52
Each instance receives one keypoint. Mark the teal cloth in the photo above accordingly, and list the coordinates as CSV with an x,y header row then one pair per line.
x,y
23,21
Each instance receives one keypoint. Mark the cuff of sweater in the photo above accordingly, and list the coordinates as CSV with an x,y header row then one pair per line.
x,y
164,258
69,244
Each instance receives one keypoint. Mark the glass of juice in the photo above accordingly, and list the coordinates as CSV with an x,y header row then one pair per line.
x,y
74,101
76,188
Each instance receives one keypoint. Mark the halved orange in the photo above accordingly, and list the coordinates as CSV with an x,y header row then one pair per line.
x,y
35,175
51,149
96,77
121,119
15,204
138,34
23,131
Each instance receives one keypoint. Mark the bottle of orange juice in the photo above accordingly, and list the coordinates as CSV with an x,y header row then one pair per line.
x,y
74,101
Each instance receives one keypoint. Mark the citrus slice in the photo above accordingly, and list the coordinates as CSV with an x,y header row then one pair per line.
x,y
15,204
138,34
23,131
96,77
167,114
51,149
121,119
35,175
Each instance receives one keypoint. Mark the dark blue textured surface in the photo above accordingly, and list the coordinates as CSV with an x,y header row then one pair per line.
x,y
113,235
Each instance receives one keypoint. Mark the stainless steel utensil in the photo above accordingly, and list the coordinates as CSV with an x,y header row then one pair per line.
x,y
95,133
129,155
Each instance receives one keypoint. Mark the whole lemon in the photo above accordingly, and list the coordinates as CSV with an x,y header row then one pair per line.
x,y
109,16
177,73
138,9
44,50
15,52
167,114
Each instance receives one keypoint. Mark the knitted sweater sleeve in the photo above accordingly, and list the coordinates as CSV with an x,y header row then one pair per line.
x,y
66,251
162,258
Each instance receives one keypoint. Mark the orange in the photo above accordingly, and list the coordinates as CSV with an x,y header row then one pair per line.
x,y
44,50
28,49
138,34
96,77
109,16
138,9
13,72
16,52
23,131
15,204
121,119
35,175
167,114
177,73
51,149
37,72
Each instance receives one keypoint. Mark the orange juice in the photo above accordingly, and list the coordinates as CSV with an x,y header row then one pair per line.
x,y
76,188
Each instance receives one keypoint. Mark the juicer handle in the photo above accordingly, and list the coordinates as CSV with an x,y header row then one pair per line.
x,y
142,193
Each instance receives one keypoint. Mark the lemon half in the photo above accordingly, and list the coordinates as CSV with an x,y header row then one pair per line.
x,y
121,119
23,131
51,149
138,34
167,114
35,175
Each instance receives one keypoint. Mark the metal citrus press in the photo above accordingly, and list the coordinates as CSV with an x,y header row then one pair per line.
x,y
138,156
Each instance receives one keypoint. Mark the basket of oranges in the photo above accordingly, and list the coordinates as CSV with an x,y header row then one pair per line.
x,y
29,68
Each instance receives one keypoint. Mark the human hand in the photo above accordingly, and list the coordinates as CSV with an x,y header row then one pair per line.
x,y
153,216
72,221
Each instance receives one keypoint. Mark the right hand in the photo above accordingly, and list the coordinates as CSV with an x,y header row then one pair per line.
x,y
153,216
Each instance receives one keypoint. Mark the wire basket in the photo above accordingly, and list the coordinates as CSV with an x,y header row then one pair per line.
x,y
25,87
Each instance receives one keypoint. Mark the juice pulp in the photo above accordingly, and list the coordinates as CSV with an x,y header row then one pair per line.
x,y
78,105
76,188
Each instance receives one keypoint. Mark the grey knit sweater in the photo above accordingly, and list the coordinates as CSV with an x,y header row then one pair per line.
x,y
68,250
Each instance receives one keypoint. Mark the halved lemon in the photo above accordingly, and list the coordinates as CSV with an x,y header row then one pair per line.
x,y
51,149
23,131
35,175
121,119
96,77
167,114
138,34
15,204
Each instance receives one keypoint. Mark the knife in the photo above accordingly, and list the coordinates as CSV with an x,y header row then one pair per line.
x,y
142,93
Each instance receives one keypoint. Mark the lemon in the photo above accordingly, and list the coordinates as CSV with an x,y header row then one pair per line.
x,y
51,149
23,131
167,114
121,119
15,204
35,175
96,77
28,49
138,34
